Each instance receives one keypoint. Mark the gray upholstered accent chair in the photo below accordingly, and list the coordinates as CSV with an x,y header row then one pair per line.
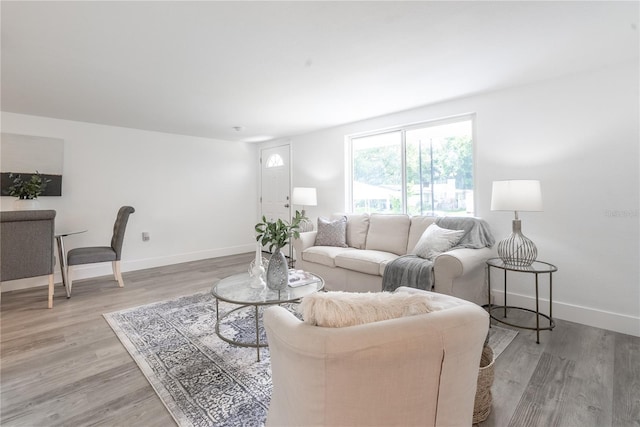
x,y
27,246
96,254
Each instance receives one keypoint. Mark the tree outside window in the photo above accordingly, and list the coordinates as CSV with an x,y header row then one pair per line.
x,y
437,179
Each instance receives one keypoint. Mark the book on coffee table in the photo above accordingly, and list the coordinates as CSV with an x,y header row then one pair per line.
x,y
301,278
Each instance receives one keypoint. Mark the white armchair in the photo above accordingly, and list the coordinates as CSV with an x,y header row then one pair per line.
x,y
419,370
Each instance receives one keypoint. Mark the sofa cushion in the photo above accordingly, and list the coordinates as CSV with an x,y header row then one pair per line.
x,y
383,265
419,223
340,309
324,255
332,233
388,233
436,240
357,228
363,261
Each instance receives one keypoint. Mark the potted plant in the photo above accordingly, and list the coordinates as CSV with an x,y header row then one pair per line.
x,y
27,190
276,234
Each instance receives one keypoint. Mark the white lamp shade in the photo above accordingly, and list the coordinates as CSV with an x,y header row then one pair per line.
x,y
305,196
516,195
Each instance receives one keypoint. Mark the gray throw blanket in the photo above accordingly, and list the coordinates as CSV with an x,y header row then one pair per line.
x,y
478,234
415,272
408,270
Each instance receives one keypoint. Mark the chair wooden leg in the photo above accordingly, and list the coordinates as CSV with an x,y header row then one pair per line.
x,y
117,273
69,281
50,305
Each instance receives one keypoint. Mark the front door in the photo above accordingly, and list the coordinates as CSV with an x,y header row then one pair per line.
x,y
276,184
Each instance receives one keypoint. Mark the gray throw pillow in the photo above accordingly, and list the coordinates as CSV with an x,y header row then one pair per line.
x,y
332,233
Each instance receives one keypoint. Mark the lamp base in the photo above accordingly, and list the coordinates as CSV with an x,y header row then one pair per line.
x,y
305,224
517,250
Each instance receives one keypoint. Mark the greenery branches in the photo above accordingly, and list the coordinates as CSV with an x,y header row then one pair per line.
x,y
430,162
276,234
28,189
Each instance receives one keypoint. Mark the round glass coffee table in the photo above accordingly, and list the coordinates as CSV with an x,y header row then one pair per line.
x,y
237,290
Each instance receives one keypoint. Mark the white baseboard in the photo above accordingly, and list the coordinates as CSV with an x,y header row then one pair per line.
x,y
622,323
617,322
104,269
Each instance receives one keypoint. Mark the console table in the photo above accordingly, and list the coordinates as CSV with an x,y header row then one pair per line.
x,y
537,268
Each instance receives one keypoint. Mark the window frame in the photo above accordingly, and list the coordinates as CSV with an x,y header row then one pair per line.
x,y
403,129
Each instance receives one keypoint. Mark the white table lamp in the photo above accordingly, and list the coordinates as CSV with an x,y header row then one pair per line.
x,y
517,195
304,196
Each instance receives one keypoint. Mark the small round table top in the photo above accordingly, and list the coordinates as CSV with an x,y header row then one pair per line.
x,y
535,267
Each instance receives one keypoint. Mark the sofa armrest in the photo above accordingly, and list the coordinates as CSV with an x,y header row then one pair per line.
x,y
461,272
306,240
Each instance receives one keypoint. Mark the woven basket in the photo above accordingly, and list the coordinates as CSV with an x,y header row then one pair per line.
x,y
482,405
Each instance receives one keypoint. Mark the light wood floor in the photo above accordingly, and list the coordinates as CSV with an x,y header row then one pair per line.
x,y
66,367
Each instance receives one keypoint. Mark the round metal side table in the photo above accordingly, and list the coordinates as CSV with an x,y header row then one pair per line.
x,y
537,268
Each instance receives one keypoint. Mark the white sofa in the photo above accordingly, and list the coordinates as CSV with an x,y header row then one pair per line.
x,y
374,240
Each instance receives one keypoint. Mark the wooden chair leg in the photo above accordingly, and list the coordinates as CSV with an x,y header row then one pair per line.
x,y
117,273
50,305
69,280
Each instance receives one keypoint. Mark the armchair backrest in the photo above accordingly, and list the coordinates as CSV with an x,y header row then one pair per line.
x,y
26,244
119,228
416,370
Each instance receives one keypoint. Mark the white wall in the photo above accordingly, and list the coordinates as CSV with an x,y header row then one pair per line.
x,y
580,136
196,197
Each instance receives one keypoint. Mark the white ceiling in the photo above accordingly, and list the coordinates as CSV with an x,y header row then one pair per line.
x,y
284,68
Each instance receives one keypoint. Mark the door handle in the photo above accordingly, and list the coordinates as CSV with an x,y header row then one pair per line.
x,y
287,205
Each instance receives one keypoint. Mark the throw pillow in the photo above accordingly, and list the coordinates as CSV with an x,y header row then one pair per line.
x,y
332,233
339,309
357,227
436,240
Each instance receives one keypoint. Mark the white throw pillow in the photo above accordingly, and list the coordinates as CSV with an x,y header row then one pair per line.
x,y
436,240
339,309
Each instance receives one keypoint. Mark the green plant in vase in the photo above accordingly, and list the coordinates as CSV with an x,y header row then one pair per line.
x,y
275,235
28,189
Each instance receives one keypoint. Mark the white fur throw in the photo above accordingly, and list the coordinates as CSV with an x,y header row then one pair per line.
x,y
338,309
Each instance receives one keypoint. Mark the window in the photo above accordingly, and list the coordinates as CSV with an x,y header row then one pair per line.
x,y
424,169
274,161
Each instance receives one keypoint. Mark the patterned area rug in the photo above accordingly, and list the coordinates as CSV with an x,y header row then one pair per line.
x,y
202,380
